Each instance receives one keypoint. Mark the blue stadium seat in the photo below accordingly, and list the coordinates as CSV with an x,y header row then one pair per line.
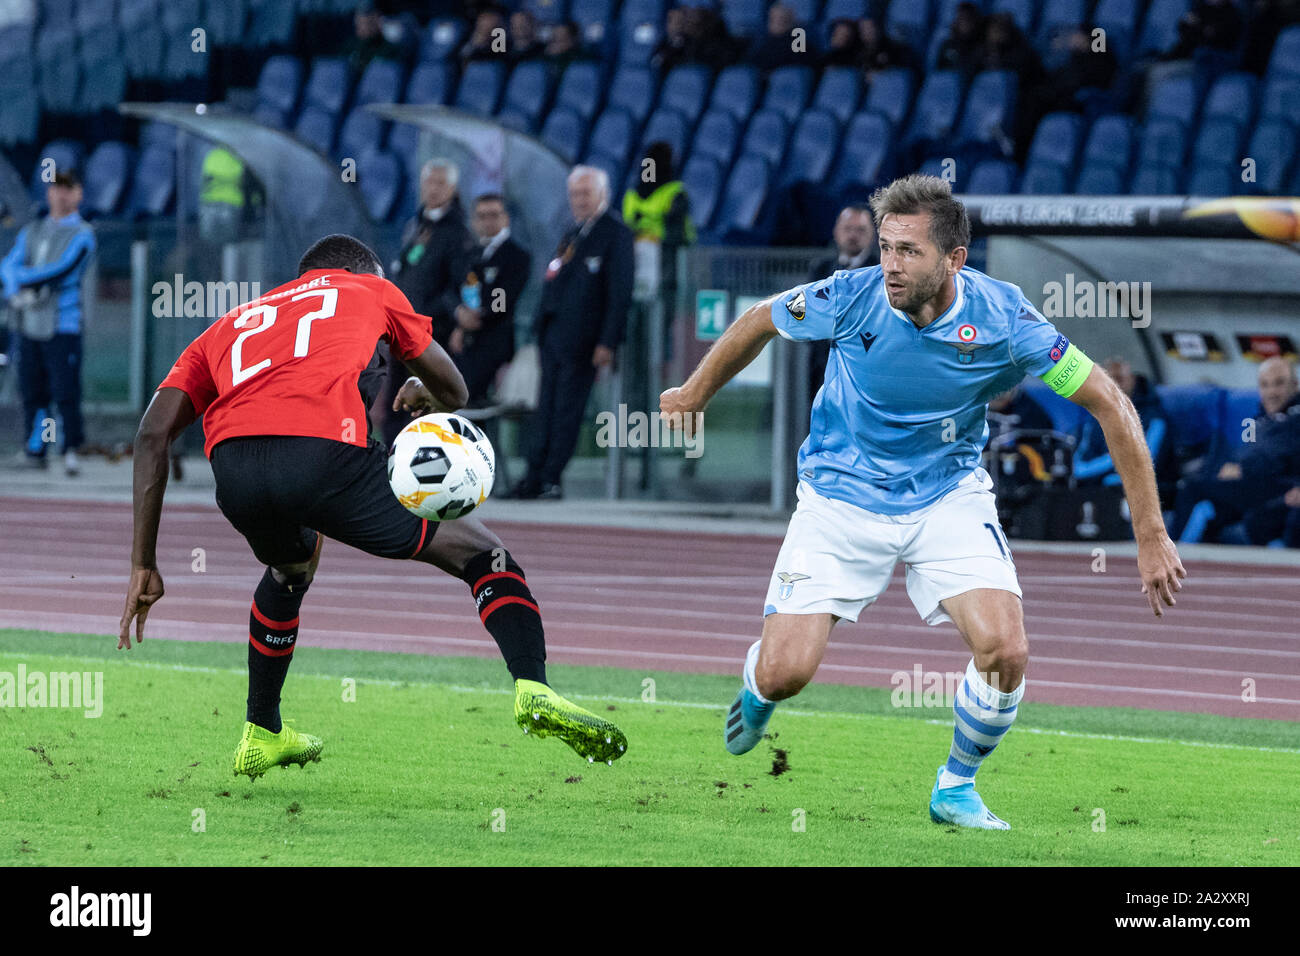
x,y
805,11
909,21
891,94
1155,180
812,149
614,135
1214,180
1217,142
430,84
846,9
107,177
381,82
866,155
1057,140
404,143
226,22
766,136
638,38
839,92
1233,96
316,127
279,83
268,116
937,107
1160,27
1024,12
328,85
788,89
668,126
702,178
990,107
1235,406
16,41
529,92
442,39
480,87
737,92
379,175
745,18
633,89
1163,143
1100,179
103,72
1057,17
587,12
580,89
1110,142
1119,18
743,199
57,69
992,177
1176,97
546,11
142,37
1195,414
1273,147
157,133
565,131
1285,59
1282,99
686,89
362,132
270,24
1044,178
66,153
716,137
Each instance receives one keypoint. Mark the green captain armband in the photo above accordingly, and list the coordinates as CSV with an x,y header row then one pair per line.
x,y
1065,377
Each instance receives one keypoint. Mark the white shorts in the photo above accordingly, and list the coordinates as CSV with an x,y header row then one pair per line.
x,y
837,558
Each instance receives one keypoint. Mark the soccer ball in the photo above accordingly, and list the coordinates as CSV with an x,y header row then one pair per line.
x,y
441,467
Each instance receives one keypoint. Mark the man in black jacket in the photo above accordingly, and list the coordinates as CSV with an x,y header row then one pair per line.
x,y
585,299
436,252
484,337
855,248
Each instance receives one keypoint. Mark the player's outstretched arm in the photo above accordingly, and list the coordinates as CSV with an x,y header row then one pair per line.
x,y
1158,561
168,414
739,345
440,376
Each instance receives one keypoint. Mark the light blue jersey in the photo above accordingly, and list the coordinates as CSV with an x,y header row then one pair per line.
x,y
901,417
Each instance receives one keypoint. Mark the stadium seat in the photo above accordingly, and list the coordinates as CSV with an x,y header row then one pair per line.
x,y
1281,99
766,136
316,127
638,37
327,86
1285,59
686,89
866,155
891,94
226,22
737,91
1214,180
1233,96
745,18
269,117
565,131
529,92
1044,178
716,137
511,118
546,11
57,69
107,177
614,136
805,11
1195,415
442,39
1176,97
633,90
1110,142
381,82
701,178
379,175
990,107
586,13
1160,26
1273,147
66,154
362,132
812,149
430,84
937,107
1100,179
279,83
1217,142
1164,142
1155,180
668,126
909,22
580,89
102,73
788,89
1119,18
846,10
743,199
1058,17
271,24
1024,12
480,87
839,92
142,37
992,177
404,143
1057,140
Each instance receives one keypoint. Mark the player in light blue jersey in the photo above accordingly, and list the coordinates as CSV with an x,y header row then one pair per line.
x,y
891,472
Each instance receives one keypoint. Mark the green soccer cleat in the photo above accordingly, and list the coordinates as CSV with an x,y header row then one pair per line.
x,y
542,712
259,750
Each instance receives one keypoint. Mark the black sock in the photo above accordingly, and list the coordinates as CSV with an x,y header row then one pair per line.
x,y
508,611
272,634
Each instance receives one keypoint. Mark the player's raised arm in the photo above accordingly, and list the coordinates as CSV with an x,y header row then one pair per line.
x,y
1158,561
168,414
739,345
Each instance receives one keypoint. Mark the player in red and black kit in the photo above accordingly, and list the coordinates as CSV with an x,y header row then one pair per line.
x,y
284,383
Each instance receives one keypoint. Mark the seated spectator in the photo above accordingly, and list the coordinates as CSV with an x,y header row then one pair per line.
x,y
1083,69
524,42
370,40
484,41
674,48
1092,462
1004,47
1209,25
844,48
1267,19
776,48
879,52
1255,486
960,50
564,46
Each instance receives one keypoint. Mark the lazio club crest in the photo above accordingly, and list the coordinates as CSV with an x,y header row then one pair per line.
x,y
966,345
788,581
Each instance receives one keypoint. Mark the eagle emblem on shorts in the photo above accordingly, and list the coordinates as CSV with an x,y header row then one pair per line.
x,y
795,305
788,581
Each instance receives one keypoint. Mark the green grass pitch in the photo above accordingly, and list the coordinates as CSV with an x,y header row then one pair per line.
x,y
425,766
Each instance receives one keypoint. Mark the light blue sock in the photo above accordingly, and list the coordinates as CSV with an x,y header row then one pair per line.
x,y
982,716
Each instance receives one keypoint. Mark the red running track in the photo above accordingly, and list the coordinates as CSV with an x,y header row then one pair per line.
x,y
644,599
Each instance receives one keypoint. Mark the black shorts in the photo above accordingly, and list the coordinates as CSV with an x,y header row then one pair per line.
x,y
279,492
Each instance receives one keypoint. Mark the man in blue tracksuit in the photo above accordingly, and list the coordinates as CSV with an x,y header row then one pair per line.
x,y
45,278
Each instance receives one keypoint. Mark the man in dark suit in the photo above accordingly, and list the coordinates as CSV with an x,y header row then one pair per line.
x,y
855,248
585,299
436,252
484,337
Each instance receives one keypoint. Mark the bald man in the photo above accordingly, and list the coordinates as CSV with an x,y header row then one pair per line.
x,y
1255,487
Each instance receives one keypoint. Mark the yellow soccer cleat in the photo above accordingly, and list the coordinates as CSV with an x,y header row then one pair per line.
x,y
542,712
259,750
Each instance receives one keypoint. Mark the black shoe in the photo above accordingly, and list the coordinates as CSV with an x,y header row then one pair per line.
x,y
550,493
524,491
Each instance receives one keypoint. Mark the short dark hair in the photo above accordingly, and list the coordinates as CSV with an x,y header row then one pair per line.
x,y
68,177
949,224
340,252
491,197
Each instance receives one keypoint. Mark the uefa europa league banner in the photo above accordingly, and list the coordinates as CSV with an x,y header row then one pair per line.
x,y
1237,217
